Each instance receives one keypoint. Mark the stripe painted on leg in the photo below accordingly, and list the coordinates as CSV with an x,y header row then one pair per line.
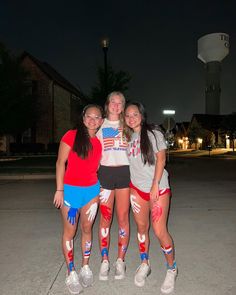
x,y
174,266
167,249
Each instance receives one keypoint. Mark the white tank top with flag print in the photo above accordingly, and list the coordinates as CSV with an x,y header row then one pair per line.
x,y
114,147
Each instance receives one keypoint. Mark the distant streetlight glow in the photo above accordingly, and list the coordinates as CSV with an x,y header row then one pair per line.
x,y
105,44
169,112
199,140
168,128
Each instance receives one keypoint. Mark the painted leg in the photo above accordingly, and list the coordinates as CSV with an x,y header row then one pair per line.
x,y
141,209
87,217
122,212
106,210
160,229
69,230
159,212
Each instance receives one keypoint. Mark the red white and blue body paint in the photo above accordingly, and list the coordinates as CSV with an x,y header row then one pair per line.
x,y
124,248
104,195
106,212
104,233
92,211
174,266
71,216
87,251
134,205
76,197
156,212
166,249
122,233
69,247
142,247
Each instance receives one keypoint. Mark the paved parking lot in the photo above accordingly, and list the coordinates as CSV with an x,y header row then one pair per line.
x,y
202,223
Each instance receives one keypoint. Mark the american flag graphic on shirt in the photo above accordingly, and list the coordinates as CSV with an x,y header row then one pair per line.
x,y
112,138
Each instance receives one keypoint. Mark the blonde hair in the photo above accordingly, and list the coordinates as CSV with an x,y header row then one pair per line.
x,y
109,97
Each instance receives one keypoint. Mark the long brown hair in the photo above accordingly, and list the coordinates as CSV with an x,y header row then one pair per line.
x,y
82,144
145,143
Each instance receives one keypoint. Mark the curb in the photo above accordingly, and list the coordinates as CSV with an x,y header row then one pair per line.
x,y
27,176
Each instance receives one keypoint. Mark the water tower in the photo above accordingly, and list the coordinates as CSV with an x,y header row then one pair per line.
x,y
212,49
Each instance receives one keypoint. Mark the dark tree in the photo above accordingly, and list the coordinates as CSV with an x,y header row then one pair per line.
x,y
16,103
228,125
116,81
194,133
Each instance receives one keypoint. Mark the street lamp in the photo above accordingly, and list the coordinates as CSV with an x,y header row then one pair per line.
x,y
105,44
168,125
1,66
168,113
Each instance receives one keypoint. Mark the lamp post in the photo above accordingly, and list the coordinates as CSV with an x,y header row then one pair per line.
x,y
168,113
105,44
168,126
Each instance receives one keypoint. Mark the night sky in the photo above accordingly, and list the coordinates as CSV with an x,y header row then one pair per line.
x,y
155,41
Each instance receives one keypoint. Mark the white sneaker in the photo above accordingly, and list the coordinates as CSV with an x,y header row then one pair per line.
x,y
86,276
142,272
120,268
104,270
169,282
72,283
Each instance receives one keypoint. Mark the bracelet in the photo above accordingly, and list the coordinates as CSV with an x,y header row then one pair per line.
x,y
60,190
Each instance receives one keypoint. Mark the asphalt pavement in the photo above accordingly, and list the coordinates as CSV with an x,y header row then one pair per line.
x,y
202,223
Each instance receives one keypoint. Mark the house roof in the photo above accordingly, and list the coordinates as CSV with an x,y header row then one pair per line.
x,y
186,124
53,74
209,122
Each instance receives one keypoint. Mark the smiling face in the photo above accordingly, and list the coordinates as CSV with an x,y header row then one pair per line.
x,y
92,119
133,118
115,107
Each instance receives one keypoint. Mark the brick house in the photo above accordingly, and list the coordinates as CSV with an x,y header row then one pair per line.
x,y
57,101
205,130
181,135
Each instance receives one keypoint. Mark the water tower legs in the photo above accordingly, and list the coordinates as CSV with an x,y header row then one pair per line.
x,y
213,90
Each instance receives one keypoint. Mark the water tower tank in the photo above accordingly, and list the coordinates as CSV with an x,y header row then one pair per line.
x,y
212,49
